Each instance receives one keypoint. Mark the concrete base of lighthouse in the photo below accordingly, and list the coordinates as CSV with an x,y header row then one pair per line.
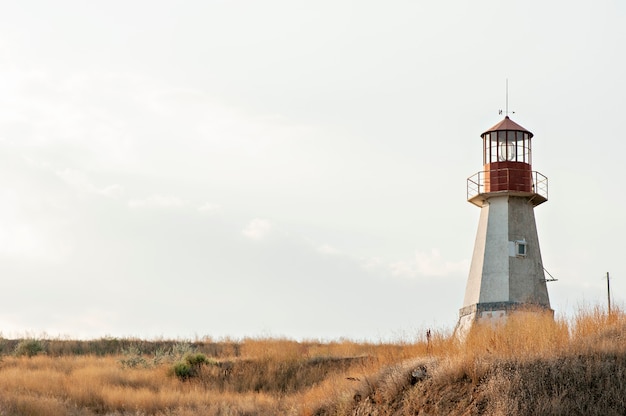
x,y
506,273
493,314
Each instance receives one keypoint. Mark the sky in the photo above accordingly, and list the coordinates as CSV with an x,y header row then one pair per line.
x,y
233,169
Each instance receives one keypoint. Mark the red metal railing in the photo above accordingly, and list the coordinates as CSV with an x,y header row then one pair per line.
x,y
513,180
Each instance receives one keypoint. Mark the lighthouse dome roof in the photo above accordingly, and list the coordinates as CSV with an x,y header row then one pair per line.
x,y
508,124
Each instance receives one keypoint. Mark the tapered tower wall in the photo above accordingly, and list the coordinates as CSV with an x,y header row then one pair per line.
x,y
527,281
497,272
487,281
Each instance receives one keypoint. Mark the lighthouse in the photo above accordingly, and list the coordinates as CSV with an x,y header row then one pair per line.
x,y
506,273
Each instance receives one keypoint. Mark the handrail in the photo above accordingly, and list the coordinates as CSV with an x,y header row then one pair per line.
x,y
480,182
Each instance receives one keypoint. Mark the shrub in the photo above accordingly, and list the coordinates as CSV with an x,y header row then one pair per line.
x,y
133,358
183,370
196,360
175,353
30,347
190,365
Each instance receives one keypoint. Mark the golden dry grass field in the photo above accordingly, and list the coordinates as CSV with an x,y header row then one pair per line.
x,y
532,365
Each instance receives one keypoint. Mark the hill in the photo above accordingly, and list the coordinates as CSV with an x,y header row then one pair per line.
x,y
532,365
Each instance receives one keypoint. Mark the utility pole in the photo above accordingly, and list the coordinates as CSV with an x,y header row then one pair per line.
x,y
608,290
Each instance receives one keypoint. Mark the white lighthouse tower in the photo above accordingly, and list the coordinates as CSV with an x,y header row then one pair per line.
x,y
506,272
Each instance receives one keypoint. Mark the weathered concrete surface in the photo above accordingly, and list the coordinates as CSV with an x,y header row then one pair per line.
x,y
500,279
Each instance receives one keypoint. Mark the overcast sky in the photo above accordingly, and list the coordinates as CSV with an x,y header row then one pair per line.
x,y
290,168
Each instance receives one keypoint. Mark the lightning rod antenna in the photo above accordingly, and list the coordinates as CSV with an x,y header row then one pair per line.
x,y
507,97
506,102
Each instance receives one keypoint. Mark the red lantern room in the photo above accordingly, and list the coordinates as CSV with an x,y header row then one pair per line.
x,y
507,160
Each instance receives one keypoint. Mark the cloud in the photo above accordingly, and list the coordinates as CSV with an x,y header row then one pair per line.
x,y
328,249
427,264
157,201
111,190
210,208
257,229
423,265
20,240
81,182
26,233
372,263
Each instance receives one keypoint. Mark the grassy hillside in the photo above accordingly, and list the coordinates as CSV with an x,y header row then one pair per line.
x,y
531,366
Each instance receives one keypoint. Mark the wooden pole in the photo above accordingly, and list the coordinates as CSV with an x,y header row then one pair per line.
x,y
608,290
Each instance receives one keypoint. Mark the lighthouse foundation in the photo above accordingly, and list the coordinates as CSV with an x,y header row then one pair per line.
x,y
494,314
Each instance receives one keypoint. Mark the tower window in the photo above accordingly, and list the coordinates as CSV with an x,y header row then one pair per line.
x,y
520,248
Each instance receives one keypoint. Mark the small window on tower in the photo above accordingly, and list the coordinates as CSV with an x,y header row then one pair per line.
x,y
520,248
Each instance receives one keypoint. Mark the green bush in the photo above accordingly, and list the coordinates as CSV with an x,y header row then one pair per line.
x,y
183,370
197,360
30,347
189,367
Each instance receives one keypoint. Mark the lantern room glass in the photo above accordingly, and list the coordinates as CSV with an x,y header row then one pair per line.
x,y
506,146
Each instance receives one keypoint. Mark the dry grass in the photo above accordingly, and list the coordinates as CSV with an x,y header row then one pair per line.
x,y
532,365
258,377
